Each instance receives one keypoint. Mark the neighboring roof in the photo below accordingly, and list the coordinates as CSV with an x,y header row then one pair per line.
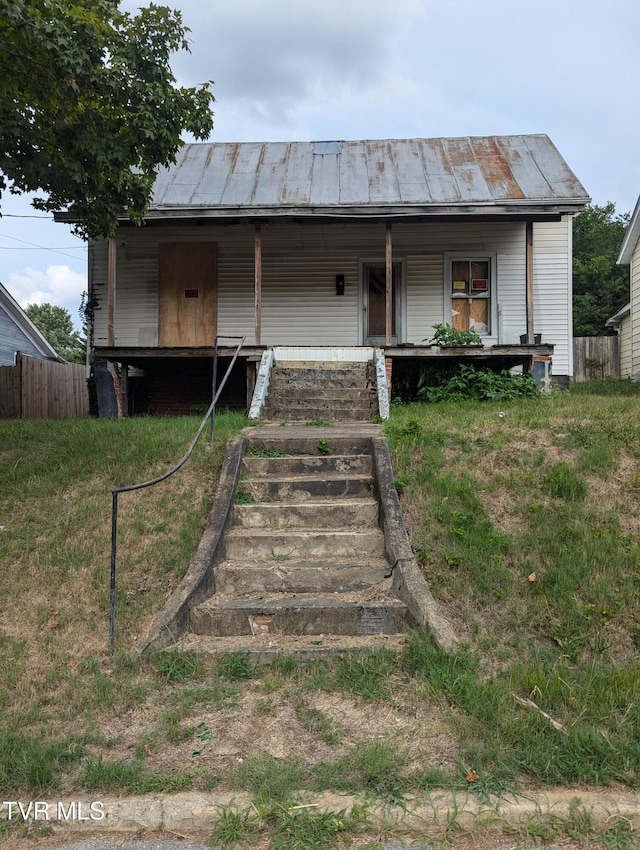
x,y
502,175
24,324
631,237
622,313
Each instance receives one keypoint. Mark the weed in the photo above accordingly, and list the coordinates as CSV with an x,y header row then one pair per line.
x,y
175,665
101,775
323,446
267,778
235,827
265,451
619,834
466,382
563,482
174,730
301,828
235,666
446,335
241,497
34,764
366,675
316,722
373,766
401,484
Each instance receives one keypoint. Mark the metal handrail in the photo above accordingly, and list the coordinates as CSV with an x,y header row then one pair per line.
x,y
115,492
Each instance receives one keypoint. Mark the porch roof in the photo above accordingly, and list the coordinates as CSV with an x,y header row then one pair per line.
x,y
486,175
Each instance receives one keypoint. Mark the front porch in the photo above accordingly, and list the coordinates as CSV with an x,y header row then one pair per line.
x,y
178,381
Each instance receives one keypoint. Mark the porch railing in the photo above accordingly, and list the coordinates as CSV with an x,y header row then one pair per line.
x,y
115,492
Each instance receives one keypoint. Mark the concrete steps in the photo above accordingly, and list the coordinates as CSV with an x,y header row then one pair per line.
x,y
303,614
301,391
345,513
303,487
304,557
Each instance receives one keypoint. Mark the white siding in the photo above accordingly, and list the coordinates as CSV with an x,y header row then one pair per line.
x,y
300,262
635,311
425,295
624,335
552,291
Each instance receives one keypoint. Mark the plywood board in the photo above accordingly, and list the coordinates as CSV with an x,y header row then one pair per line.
x,y
188,294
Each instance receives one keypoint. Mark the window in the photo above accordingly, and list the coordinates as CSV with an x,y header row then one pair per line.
x,y
469,281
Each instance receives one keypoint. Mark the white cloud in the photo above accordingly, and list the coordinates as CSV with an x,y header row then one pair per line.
x,y
57,285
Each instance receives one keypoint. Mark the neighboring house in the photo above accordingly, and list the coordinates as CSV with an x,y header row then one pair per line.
x,y
630,330
339,244
19,334
621,321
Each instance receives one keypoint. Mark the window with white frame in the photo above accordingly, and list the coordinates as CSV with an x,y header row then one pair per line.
x,y
470,297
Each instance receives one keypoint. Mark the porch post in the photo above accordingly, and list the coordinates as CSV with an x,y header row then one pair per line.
x,y
389,287
124,387
529,281
111,291
258,282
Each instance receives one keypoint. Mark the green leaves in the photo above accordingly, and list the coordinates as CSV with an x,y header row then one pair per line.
x,y
99,110
600,285
469,382
446,335
56,326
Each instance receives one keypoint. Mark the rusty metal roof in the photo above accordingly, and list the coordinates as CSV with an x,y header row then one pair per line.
x,y
490,174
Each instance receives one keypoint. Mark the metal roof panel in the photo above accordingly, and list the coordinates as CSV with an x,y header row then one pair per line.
x,y
367,175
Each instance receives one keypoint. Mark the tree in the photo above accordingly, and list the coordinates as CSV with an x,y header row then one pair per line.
x,y
56,325
600,285
89,108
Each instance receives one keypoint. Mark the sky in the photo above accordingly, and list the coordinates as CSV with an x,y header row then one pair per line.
x,y
296,70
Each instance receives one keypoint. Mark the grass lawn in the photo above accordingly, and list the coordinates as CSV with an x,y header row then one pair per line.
x,y
524,516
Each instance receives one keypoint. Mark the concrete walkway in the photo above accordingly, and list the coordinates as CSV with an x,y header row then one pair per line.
x,y
192,816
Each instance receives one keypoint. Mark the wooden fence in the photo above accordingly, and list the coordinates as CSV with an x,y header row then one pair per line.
x,y
595,357
43,389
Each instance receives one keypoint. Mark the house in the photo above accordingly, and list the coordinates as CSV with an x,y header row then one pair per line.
x,y
621,323
19,334
338,243
627,320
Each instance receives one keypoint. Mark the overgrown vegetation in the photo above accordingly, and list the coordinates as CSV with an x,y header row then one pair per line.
x,y
446,335
465,382
526,525
600,285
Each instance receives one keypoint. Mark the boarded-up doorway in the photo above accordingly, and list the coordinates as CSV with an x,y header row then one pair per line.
x,y
188,293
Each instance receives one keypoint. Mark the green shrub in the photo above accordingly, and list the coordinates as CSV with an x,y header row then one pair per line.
x,y
446,335
479,384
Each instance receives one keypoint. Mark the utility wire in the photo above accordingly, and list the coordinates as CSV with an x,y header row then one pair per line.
x,y
39,247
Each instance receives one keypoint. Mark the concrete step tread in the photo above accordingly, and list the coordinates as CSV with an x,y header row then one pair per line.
x,y
327,365
308,476
299,417
304,533
290,545
371,597
370,561
316,501
320,464
303,488
335,381
321,389
237,577
352,436
312,514
367,611
264,648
